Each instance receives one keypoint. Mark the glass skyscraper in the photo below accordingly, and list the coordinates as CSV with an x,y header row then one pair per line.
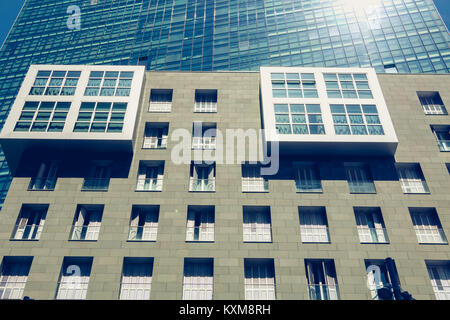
x,y
206,35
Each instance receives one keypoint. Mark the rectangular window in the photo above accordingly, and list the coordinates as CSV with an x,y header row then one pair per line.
x,y
252,181
259,279
109,83
155,136
198,280
200,223
13,276
313,224
427,226
377,280
355,119
205,101
307,177
144,223
150,176
359,178
442,134
45,116
45,178
74,278
293,85
298,119
322,279
204,135
411,178
98,178
432,103
87,222
370,224
101,117
160,100
54,83
439,272
257,224
347,86
30,222
202,177
136,279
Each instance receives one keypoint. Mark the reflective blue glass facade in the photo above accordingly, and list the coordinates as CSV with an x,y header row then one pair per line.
x,y
208,35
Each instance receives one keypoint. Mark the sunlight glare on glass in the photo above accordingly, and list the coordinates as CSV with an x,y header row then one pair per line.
x,y
359,5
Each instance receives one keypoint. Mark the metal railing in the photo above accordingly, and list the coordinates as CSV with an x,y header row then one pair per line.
x,y
143,233
255,185
149,184
200,233
372,235
311,186
204,143
441,292
205,106
434,109
427,235
85,233
29,232
42,184
414,186
95,185
154,143
361,187
11,290
314,234
202,185
444,145
323,292
160,106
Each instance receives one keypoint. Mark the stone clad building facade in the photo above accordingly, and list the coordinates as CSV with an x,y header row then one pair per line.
x,y
124,219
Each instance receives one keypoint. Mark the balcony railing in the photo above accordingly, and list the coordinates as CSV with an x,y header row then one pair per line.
x,y
310,186
149,184
442,292
260,185
323,292
261,234
204,143
88,233
95,185
42,184
202,185
143,233
154,143
372,235
29,232
428,235
205,106
444,145
434,109
160,106
200,233
419,186
11,290
314,234
361,187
